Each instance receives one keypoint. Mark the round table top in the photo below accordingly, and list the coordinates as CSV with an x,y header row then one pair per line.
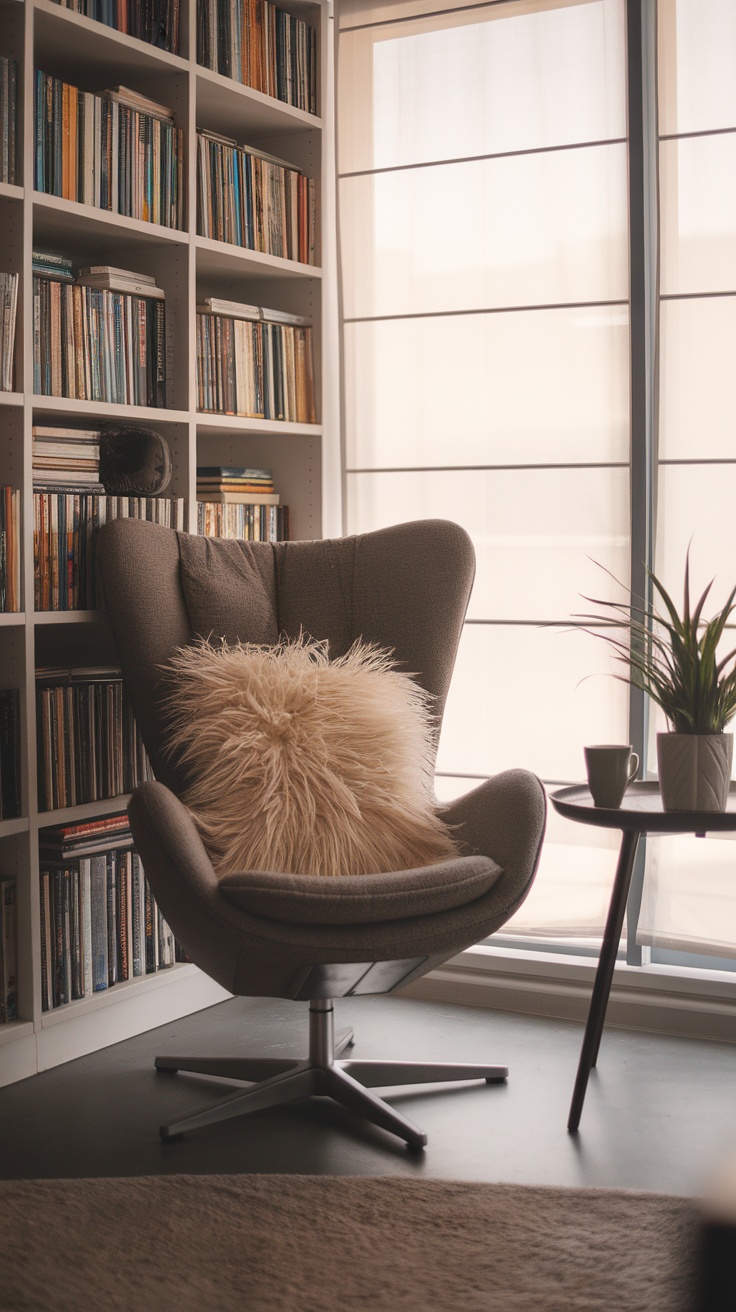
x,y
641,810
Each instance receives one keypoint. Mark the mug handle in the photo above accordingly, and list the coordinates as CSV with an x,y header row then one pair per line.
x,y
633,767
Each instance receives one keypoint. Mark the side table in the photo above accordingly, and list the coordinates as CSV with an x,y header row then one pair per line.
x,y
641,812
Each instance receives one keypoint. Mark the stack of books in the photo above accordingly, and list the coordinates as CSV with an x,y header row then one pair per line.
x,y
252,199
65,529
8,310
236,502
89,746
8,951
9,753
258,365
235,485
254,42
118,151
155,21
8,111
66,459
100,924
9,549
100,336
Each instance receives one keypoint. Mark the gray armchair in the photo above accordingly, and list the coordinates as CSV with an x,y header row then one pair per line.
x,y
303,937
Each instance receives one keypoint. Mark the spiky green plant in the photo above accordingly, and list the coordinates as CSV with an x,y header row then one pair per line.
x,y
673,658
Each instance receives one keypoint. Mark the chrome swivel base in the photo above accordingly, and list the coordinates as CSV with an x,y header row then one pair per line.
x,y
322,1074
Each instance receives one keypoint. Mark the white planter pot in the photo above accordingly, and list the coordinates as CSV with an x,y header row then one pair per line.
x,y
694,770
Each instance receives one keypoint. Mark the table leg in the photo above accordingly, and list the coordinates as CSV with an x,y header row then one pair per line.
x,y
604,974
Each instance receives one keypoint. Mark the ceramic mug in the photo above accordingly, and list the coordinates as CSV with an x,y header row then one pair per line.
x,y
610,770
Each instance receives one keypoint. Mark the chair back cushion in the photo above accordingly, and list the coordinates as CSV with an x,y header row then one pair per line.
x,y
404,589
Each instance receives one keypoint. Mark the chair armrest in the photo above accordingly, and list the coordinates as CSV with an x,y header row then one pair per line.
x,y
504,818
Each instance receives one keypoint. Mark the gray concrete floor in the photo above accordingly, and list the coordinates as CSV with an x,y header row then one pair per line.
x,y
659,1115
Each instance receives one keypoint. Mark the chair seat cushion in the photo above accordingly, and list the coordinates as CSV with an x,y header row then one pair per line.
x,y
306,765
364,899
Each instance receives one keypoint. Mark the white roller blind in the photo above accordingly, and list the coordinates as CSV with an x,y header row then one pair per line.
x,y
483,217
689,898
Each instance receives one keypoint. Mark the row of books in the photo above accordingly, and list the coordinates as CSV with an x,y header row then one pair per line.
x,y
257,368
89,746
8,951
9,753
253,523
155,21
10,590
8,311
254,42
8,118
100,924
65,527
95,340
116,150
255,200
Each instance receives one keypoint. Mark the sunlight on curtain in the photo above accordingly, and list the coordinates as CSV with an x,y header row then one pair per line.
x,y
484,250
690,888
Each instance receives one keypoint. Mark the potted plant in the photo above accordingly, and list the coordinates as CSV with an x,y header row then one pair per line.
x,y
674,659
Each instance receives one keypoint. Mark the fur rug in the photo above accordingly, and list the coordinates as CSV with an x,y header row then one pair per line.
x,y
274,1243
305,765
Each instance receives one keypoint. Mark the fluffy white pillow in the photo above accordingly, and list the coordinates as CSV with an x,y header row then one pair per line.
x,y
305,765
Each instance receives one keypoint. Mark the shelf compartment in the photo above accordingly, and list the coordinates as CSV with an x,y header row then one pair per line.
x,y
67,407
61,34
73,815
224,105
67,616
8,828
215,423
221,259
74,226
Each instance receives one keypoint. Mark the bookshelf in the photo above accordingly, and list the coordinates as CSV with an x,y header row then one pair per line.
x,y
43,35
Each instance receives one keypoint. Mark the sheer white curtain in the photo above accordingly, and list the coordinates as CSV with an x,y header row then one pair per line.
x,y
690,888
484,256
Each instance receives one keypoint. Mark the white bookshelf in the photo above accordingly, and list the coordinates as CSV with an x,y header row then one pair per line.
x,y
42,34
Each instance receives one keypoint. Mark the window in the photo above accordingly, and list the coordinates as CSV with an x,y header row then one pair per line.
x,y
484,208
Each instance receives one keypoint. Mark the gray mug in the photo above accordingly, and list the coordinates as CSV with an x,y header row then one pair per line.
x,y
610,770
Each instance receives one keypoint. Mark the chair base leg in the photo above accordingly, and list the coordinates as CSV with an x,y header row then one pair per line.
x,y
279,1082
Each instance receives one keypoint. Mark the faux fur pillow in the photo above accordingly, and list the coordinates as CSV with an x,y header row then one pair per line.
x,y
305,765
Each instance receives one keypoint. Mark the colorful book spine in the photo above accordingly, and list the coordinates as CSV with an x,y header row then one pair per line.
x,y
98,345
155,21
8,315
252,523
10,587
262,46
89,747
100,151
254,201
65,527
8,119
257,370
100,923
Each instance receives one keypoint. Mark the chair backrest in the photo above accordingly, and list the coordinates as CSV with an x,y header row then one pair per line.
x,y
405,588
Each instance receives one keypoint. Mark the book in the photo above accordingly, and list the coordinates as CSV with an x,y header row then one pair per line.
x,y
8,315
10,798
8,119
255,200
234,309
8,951
240,498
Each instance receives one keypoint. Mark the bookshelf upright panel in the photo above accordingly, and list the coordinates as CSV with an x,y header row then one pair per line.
x,y
62,222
